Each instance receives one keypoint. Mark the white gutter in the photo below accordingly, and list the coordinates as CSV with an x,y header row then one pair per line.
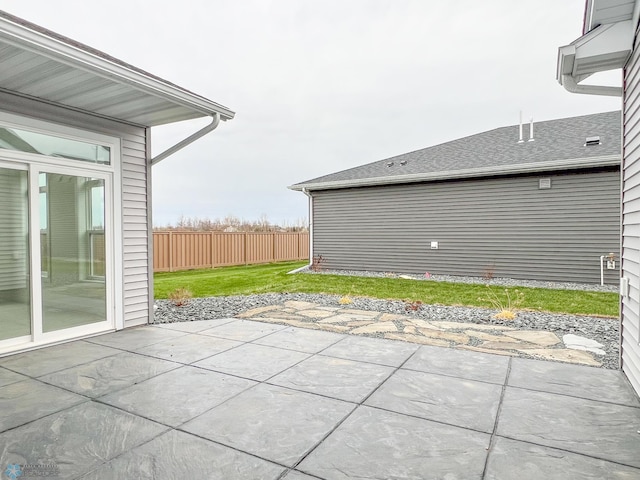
x,y
187,141
534,167
569,83
37,42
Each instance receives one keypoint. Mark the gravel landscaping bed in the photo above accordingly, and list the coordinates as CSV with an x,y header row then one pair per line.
x,y
502,282
602,330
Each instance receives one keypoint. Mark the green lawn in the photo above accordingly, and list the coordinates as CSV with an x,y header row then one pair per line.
x,y
273,278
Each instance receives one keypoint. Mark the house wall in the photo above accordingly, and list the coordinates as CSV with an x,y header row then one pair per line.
x,y
630,308
505,227
136,289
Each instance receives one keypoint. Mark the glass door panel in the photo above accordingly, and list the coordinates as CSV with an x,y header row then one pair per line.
x,y
73,291
15,292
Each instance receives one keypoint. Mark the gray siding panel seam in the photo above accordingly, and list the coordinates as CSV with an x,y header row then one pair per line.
x,y
499,224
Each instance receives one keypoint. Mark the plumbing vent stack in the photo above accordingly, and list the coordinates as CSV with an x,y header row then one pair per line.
x,y
531,130
520,140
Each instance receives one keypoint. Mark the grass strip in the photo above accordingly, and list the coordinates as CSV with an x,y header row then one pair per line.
x,y
274,278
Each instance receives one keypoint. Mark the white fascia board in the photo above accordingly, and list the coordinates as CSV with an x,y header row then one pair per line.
x,y
548,166
37,42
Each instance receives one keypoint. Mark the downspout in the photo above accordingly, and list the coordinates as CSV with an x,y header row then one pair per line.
x,y
189,140
569,83
306,192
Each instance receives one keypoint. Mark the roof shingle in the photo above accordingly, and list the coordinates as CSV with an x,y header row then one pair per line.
x,y
557,144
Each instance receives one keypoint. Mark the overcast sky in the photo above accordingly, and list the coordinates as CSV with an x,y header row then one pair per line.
x,y
324,85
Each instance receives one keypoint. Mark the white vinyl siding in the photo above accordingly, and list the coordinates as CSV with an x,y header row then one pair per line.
x,y
630,351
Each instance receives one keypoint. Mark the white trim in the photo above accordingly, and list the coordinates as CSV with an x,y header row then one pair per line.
x,y
34,254
534,167
117,258
74,56
24,344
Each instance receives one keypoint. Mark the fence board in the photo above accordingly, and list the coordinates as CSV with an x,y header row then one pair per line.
x,y
174,251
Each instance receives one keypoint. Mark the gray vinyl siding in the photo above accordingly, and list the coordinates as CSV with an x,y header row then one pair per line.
x,y
630,305
134,176
505,227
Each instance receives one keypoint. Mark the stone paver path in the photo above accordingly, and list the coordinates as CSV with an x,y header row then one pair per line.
x,y
495,339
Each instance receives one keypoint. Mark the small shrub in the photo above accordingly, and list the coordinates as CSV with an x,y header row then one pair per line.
x,y
316,263
413,306
346,300
506,305
488,272
180,296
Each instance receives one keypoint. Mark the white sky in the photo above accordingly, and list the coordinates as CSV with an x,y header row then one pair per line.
x,y
324,85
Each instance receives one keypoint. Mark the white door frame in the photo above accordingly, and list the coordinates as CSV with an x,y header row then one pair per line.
x,y
111,174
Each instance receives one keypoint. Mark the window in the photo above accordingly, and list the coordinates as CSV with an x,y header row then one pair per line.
x,y
53,146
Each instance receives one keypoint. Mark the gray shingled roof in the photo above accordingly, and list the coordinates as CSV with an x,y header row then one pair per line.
x,y
558,145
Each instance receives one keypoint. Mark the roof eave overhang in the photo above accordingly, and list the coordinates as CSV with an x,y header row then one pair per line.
x,y
606,47
84,61
537,167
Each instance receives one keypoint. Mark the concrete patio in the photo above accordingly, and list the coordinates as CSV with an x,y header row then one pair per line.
x,y
240,399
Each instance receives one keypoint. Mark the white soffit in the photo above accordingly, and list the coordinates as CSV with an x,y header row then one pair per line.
x,y
40,64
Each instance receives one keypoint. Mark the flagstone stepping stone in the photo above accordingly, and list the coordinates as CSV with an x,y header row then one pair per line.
x,y
451,336
465,325
545,339
298,305
376,327
358,323
564,355
315,313
293,323
360,313
332,328
389,317
508,344
282,316
485,336
348,317
576,342
419,323
417,339
257,311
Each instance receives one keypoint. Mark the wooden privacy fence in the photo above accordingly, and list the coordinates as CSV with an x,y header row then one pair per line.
x,y
188,250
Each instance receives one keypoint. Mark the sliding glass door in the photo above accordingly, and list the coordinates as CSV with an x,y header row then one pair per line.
x,y
15,281
57,231
54,253
72,235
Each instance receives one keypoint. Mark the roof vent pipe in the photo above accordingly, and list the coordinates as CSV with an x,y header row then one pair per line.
x,y
531,130
520,140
